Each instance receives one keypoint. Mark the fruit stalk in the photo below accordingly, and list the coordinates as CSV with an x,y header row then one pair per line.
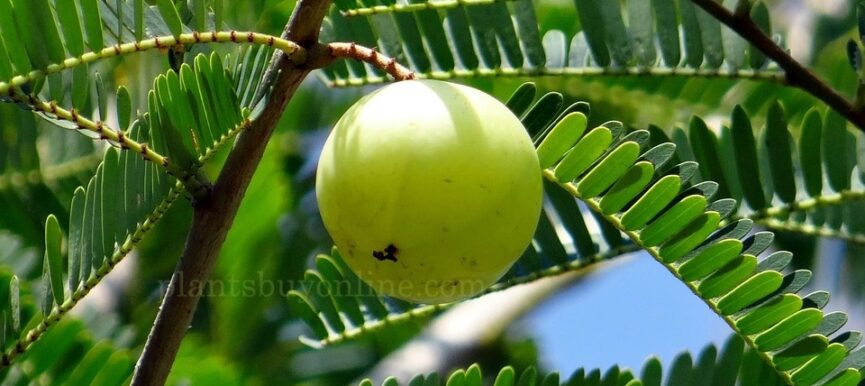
x,y
371,56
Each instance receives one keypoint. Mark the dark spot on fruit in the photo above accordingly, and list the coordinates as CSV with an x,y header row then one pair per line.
x,y
389,253
448,180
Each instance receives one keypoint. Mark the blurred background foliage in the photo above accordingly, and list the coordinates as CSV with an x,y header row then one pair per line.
x,y
253,340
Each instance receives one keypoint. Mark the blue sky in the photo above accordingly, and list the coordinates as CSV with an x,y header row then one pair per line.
x,y
622,314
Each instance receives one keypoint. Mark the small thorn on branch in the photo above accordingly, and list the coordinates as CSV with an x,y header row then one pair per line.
x,y
371,56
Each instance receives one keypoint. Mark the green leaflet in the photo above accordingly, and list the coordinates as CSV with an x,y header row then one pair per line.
x,y
681,371
101,96
704,368
652,202
616,33
458,31
413,44
88,237
728,277
673,220
587,150
849,377
301,307
835,155
542,113
668,33
322,298
6,69
705,147
610,169
15,304
76,221
170,15
641,24
506,34
563,136
819,366
111,182
710,259
777,143
788,329
67,13
484,35
434,35
753,289
522,98
690,237
176,119
349,306
80,86
628,187
799,353
138,12
735,47
54,258
746,159
41,38
124,108
92,24
594,30
710,32
768,314
12,40
199,14
527,32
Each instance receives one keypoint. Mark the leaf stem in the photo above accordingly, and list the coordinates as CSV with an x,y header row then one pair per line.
x,y
371,56
294,52
214,214
797,74
755,75
414,7
194,182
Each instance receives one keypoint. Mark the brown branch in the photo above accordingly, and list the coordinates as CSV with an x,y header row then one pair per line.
x,y
213,215
371,56
797,74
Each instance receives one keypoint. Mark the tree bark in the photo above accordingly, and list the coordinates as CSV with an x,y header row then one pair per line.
x,y
797,74
215,212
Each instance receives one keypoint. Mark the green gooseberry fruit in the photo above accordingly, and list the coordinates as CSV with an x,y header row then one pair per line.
x,y
430,190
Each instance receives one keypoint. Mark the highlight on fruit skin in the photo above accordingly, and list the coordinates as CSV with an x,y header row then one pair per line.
x,y
430,190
